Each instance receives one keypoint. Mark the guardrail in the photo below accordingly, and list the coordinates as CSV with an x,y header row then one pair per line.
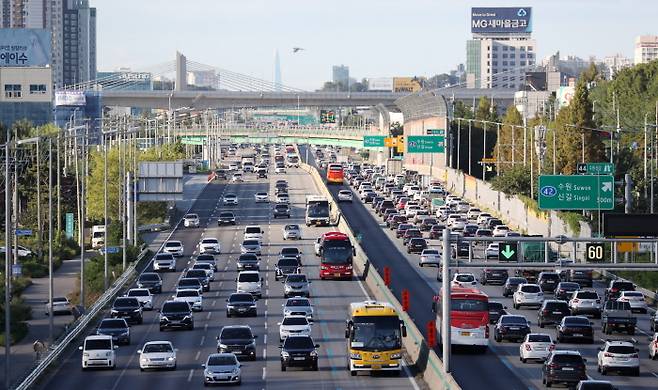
x,y
79,326
422,355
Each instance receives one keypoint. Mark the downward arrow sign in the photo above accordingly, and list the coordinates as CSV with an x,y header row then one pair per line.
x,y
508,252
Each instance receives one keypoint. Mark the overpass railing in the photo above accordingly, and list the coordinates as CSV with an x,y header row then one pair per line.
x,y
288,131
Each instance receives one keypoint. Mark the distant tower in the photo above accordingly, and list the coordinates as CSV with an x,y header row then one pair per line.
x,y
277,71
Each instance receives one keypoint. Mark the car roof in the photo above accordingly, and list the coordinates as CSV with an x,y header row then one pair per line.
x,y
619,342
158,342
98,337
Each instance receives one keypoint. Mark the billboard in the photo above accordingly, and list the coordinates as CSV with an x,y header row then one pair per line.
x,y
25,47
486,20
70,98
406,84
383,84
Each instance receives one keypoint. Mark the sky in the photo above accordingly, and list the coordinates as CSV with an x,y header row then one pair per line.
x,y
375,38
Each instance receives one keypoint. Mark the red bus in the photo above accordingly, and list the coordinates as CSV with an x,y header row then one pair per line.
x,y
336,254
469,317
335,174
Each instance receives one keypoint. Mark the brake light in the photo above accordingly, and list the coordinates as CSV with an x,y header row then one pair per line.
x,y
545,311
608,355
551,347
486,333
553,366
613,290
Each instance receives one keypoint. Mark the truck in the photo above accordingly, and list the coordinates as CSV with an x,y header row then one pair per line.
x,y
618,316
292,160
318,210
393,166
97,236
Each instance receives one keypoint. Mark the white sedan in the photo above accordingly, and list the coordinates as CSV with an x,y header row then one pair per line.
x,y
635,299
157,354
464,280
191,296
60,305
294,325
237,178
492,251
345,196
536,346
209,245
261,197
144,297
430,257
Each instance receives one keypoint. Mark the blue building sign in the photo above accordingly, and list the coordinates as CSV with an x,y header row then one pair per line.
x,y
487,20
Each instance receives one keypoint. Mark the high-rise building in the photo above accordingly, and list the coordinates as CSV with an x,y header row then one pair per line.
x,y
340,74
78,44
646,49
501,49
277,71
614,64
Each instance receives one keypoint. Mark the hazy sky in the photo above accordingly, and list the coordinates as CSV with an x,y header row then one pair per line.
x,y
375,38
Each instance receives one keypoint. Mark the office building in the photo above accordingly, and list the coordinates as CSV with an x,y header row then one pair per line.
x,y
78,44
26,94
341,75
646,49
614,64
501,49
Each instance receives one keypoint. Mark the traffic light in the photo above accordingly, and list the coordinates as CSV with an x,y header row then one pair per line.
x,y
405,300
387,276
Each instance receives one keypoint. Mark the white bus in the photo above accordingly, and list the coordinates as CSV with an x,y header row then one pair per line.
x,y
317,210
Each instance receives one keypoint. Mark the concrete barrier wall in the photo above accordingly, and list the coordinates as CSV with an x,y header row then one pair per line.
x,y
421,355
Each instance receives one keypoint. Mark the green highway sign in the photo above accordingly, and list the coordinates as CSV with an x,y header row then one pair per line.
x,y
565,192
373,141
426,144
69,225
439,132
596,169
507,251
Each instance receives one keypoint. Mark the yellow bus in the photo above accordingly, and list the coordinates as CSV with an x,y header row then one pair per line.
x,y
374,337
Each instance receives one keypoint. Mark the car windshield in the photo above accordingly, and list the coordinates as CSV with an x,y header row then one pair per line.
x,y
550,277
464,278
209,241
539,338
569,286
138,293
236,333
247,257
292,227
297,302
60,300
375,333
205,258
248,278
191,216
567,358
288,262
113,324
430,252
222,360
468,305
226,215
92,345
298,343
189,283
495,306
187,293
157,348
296,279
250,243
417,241
295,321
126,302
171,244
195,273
253,230
513,320
576,321
337,252
530,289
587,295
621,349
633,294
164,256
241,298
202,266
149,277
623,286
289,252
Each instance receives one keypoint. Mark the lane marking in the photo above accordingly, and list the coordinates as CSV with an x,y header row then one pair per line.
x,y
264,373
203,340
198,353
264,353
208,316
189,377
205,327
265,339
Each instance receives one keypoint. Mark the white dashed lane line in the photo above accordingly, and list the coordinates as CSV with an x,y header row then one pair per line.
x,y
189,377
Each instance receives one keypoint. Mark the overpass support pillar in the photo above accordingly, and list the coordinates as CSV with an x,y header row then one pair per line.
x,y
181,72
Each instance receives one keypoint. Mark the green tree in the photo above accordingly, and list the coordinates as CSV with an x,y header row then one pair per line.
x,y
509,145
486,111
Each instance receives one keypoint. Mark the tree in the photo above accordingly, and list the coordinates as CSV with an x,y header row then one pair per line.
x,y
485,110
509,145
396,129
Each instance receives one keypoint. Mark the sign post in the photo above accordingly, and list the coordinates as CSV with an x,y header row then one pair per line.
x,y
564,192
426,144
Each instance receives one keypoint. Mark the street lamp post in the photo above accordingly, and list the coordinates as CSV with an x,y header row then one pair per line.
x,y
7,263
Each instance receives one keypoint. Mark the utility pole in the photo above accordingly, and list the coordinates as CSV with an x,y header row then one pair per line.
x,y
59,210
7,262
459,140
470,163
39,235
484,151
105,254
445,301
50,241
82,220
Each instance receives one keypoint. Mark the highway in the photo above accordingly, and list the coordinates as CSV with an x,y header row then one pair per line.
x,y
499,368
330,300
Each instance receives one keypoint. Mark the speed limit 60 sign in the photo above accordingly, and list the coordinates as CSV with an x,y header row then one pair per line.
x,y
595,251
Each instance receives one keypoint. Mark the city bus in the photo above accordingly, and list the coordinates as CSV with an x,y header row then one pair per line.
x,y
336,254
469,317
374,334
317,210
335,174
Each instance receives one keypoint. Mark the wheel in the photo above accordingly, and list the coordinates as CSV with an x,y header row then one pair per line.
x,y
498,338
141,369
541,324
549,383
604,371
228,314
283,367
636,372
315,367
515,306
631,331
353,372
161,329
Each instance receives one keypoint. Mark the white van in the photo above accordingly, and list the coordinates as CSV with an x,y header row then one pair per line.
x,y
98,351
97,236
250,282
253,232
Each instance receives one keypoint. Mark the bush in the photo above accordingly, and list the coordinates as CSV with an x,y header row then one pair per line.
x,y
34,269
514,181
572,220
20,312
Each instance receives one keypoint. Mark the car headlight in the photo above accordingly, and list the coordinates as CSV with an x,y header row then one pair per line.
x,y
355,355
314,354
164,318
108,353
236,371
285,354
171,358
396,355
223,346
85,354
113,311
136,310
187,317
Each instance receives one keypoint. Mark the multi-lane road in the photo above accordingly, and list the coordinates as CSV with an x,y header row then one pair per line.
x,y
500,367
330,300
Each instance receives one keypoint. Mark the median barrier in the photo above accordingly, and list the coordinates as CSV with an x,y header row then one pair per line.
x,y
420,354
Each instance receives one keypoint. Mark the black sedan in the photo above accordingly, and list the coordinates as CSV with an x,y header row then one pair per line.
x,y
564,290
281,210
416,245
299,351
241,304
226,218
511,284
512,328
575,328
494,276
496,310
